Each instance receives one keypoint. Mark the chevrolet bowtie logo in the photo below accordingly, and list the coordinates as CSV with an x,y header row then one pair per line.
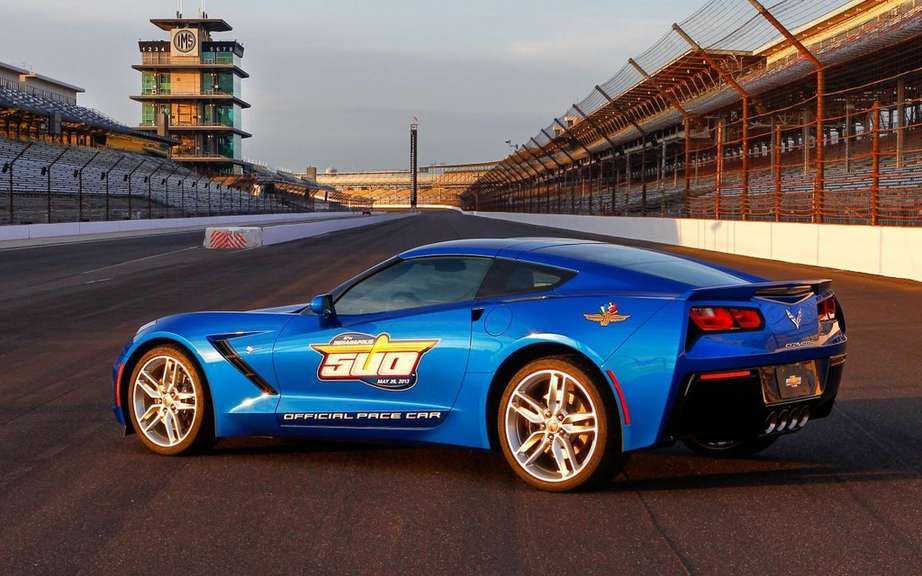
x,y
796,320
606,316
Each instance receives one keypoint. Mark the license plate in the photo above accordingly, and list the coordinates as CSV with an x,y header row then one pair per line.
x,y
790,382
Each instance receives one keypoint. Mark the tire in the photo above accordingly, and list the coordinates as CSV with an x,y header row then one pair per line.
x,y
173,424
737,449
557,446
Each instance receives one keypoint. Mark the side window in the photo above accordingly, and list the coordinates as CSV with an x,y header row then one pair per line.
x,y
415,283
508,277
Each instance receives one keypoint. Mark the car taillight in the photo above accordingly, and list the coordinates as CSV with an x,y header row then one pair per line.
x,y
826,309
720,319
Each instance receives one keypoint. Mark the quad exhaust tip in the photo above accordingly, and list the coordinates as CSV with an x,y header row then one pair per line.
x,y
787,420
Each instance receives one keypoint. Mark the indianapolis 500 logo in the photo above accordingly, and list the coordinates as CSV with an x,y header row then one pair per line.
x,y
375,360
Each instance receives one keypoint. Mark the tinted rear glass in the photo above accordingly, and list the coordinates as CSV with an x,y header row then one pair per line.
x,y
512,277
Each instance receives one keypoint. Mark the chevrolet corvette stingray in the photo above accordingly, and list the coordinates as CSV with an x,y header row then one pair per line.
x,y
563,354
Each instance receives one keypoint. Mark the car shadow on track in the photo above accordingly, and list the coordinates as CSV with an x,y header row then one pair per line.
x,y
655,471
864,441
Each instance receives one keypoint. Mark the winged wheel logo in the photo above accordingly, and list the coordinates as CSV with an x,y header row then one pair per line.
x,y
606,316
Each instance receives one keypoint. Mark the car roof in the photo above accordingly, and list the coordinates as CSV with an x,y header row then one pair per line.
x,y
637,267
507,247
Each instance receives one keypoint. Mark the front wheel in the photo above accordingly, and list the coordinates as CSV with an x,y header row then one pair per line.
x,y
553,424
168,402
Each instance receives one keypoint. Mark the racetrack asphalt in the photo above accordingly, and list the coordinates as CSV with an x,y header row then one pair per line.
x,y
844,496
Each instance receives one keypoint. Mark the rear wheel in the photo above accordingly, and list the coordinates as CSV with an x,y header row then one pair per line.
x,y
553,423
168,402
730,449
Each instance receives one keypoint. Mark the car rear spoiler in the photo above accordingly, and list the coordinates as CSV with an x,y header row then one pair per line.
x,y
786,292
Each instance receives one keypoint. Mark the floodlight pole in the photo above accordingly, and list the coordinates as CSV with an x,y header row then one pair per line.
x,y
414,153
744,177
819,185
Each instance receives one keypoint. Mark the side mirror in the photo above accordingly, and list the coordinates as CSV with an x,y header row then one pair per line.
x,y
322,305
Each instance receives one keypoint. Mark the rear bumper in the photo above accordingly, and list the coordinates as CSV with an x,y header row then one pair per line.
x,y
735,407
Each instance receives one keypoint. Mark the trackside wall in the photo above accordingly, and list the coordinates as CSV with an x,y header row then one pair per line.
x,y
883,250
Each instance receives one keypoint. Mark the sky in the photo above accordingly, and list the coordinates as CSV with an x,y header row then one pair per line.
x,y
335,83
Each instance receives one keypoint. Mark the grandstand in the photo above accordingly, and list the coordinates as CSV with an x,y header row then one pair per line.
x,y
437,184
265,181
797,111
62,162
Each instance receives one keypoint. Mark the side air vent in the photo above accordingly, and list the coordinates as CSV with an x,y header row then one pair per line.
x,y
226,350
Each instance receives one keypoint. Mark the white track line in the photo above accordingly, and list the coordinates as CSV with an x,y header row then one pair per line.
x,y
140,259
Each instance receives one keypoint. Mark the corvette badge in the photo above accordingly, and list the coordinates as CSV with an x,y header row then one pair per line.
x,y
795,320
375,360
606,316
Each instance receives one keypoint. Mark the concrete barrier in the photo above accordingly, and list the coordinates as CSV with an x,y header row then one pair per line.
x,y
236,237
39,231
881,250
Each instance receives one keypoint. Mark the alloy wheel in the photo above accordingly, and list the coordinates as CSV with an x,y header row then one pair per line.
x,y
164,401
551,425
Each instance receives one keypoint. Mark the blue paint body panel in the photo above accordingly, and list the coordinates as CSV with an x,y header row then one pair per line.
x,y
459,347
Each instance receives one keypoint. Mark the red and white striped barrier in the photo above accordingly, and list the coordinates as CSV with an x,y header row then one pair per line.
x,y
233,238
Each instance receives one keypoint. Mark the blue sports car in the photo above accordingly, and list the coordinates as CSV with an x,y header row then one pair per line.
x,y
564,354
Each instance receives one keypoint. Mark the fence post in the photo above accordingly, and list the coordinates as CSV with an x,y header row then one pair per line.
x,y
129,178
848,136
875,163
107,172
80,186
719,167
819,191
661,185
627,183
9,167
687,190
643,177
900,120
744,177
48,170
776,168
